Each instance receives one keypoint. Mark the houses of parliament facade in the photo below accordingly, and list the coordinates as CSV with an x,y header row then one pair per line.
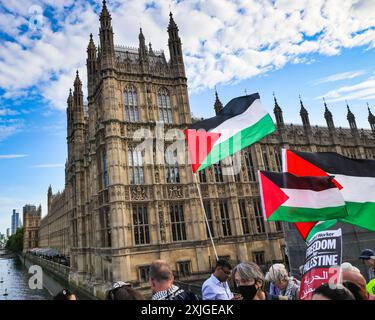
x,y
119,212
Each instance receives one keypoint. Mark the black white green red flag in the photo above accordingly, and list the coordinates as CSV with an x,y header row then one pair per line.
x,y
286,197
242,122
354,177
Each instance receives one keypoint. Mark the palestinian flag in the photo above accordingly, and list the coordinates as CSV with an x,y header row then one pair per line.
x,y
354,177
286,197
239,124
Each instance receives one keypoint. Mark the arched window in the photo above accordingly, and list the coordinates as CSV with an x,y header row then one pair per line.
x,y
164,104
136,175
131,105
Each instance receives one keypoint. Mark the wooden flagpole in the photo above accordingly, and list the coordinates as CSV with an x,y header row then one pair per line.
x,y
205,215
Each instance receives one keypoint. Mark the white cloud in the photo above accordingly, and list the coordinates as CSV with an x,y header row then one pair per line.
x,y
8,112
13,156
9,127
341,76
364,90
223,41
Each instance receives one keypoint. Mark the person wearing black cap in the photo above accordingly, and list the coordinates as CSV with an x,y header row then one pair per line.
x,y
368,257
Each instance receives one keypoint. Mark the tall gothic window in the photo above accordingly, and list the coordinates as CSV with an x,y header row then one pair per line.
x,y
218,172
105,170
141,226
225,220
202,176
178,222
244,216
164,104
131,105
172,173
136,175
266,161
250,165
261,228
207,209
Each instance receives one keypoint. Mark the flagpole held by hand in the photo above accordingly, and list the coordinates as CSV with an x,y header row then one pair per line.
x,y
205,215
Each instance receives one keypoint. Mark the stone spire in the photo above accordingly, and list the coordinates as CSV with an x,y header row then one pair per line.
x,y
150,48
328,116
91,65
78,114
175,47
218,106
91,49
278,113
371,119
106,32
77,84
304,115
351,119
143,55
49,198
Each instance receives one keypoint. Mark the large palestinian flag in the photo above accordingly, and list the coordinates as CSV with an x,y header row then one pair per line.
x,y
239,124
354,177
286,197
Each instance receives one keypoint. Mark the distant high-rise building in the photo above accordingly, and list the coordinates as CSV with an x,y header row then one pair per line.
x,y
8,232
15,221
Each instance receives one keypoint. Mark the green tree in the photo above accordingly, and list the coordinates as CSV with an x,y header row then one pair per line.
x,y
15,241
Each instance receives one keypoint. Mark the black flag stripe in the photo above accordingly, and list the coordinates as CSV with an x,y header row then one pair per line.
x,y
335,163
233,108
287,180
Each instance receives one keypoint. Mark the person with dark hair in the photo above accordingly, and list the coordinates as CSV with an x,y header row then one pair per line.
x,y
162,283
332,291
357,292
65,294
368,258
122,291
216,287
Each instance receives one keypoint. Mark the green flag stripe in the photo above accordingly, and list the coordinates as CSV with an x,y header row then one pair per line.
x,y
361,214
296,214
240,140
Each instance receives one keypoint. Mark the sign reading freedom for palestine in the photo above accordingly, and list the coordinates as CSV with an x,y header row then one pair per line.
x,y
323,260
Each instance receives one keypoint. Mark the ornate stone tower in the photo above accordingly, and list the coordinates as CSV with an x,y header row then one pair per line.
x,y
31,221
218,106
278,114
371,119
304,116
351,120
329,118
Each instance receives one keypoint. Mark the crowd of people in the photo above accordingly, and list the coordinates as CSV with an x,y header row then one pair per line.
x,y
249,283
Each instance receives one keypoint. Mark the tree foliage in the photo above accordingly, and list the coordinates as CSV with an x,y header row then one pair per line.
x,y
15,241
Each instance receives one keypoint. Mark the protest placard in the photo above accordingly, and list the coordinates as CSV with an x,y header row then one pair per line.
x,y
323,260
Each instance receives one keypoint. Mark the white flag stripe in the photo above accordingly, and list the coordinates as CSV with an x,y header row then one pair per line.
x,y
230,127
356,189
302,198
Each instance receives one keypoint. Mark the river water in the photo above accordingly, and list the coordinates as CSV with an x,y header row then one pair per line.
x,y
14,280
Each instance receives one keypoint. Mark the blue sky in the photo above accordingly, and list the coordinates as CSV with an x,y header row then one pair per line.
x,y
289,47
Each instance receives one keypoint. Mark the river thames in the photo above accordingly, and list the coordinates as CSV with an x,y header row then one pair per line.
x,y
14,281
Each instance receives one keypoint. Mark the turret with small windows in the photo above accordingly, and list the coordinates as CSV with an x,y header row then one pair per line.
x,y
278,113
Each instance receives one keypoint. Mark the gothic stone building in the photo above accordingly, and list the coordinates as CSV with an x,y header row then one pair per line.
x,y
120,211
31,222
